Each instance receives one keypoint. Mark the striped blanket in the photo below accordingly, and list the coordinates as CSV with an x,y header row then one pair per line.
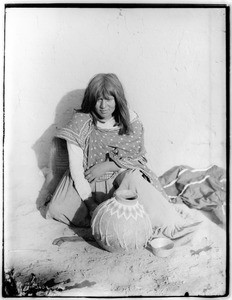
x,y
198,188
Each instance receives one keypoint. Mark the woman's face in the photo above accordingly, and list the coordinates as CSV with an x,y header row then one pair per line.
x,y
105,106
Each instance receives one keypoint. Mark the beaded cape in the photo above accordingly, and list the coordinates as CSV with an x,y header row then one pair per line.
x,y
99,145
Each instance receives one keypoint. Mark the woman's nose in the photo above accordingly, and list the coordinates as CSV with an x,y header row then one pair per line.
x,y
103,103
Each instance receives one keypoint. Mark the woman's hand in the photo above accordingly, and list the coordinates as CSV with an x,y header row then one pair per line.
x,y
100,169
95,172
91,205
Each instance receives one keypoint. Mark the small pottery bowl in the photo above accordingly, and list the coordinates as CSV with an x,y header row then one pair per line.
x,y
162,247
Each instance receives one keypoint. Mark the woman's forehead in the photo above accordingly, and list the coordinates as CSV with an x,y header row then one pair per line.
x,y
105,94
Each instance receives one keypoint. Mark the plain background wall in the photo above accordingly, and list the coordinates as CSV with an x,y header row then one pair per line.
x,y
171,63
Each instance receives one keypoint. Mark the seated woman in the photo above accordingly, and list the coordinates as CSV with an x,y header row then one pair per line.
x,y
105,142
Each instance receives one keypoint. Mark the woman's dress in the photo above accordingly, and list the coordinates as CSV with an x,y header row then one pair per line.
x,y
128,152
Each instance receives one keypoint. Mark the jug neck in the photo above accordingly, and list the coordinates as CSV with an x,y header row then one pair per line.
x,y
126,197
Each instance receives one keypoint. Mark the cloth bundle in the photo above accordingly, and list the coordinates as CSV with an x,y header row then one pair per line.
x,y
203,189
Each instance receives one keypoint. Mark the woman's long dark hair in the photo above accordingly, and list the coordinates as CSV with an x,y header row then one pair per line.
x,y
105,85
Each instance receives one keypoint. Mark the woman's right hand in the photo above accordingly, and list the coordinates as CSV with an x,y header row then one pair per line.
x,y
100,169
91,205
95,172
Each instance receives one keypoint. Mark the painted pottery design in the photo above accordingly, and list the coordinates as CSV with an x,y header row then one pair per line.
x,y
121,223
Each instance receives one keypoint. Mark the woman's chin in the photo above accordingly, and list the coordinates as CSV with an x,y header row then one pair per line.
x,y
105,117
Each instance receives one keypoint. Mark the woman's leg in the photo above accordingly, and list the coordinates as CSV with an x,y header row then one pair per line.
x,y
163,214
66,205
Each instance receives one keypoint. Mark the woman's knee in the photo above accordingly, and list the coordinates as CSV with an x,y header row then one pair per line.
x,y
129,180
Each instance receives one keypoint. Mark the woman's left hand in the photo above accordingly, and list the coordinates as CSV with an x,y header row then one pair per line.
x,y
95,172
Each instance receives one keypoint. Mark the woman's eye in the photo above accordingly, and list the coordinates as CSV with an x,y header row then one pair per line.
x,y
106,99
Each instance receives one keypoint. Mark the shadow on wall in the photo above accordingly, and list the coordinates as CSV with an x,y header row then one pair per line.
x,y
51,153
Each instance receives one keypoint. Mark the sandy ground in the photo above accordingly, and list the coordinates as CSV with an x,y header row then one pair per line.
x,y
76,264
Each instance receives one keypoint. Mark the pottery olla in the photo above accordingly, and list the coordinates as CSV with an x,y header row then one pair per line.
x,y
121,223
